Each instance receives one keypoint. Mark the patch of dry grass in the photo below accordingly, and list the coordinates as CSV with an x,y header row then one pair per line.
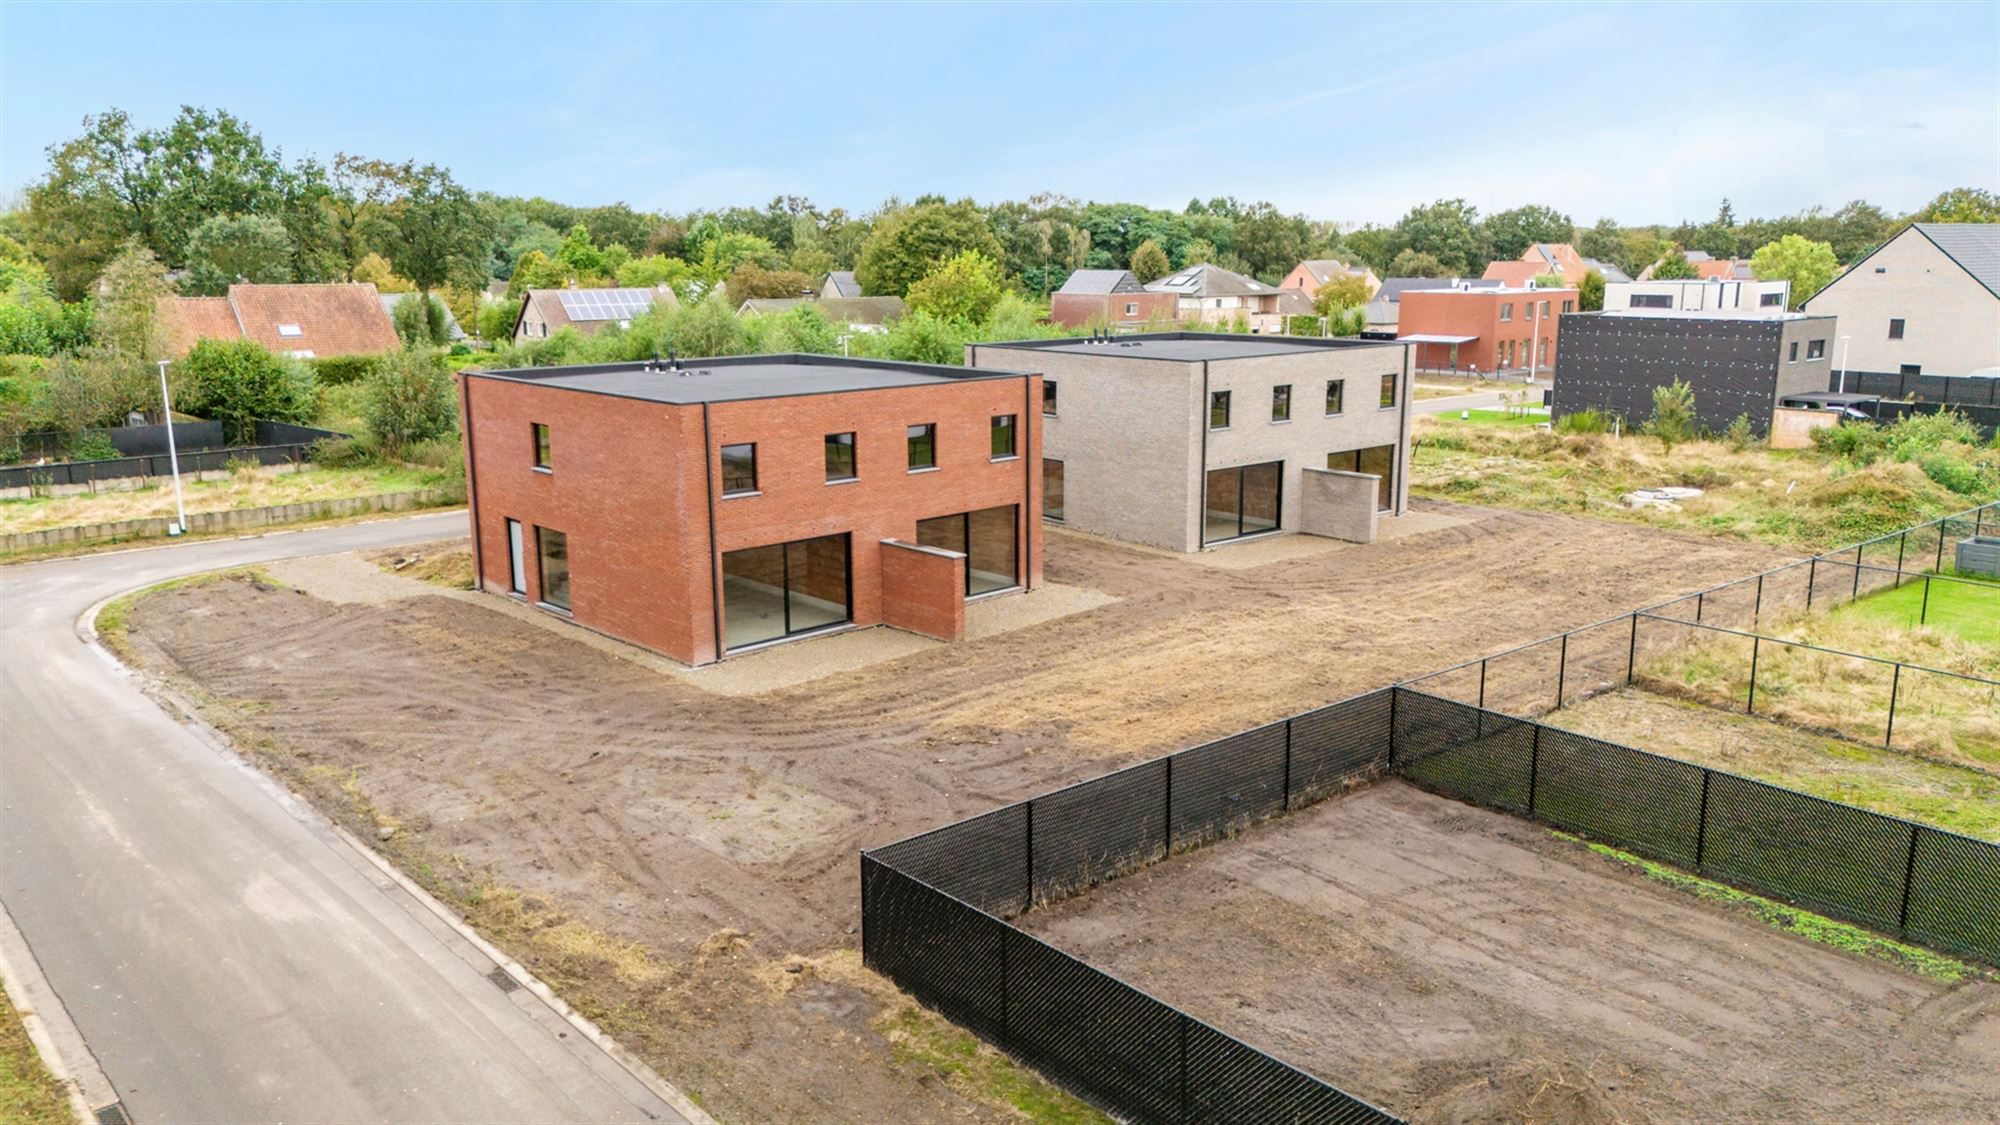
x,y
245,488
451,568
29,1094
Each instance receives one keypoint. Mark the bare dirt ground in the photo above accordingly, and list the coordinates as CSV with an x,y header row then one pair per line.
x,y
1456,964
663,854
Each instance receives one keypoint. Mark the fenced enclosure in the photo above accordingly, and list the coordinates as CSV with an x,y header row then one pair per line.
x,y
1957,390
276,443
934,907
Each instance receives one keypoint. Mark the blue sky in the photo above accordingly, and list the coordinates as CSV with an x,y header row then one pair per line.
x,y
1346,112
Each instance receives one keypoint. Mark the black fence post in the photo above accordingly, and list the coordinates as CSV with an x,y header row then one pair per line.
x,y
1482,685
1287,806
1700,601
1909,874
1939,564
1029,852
1856,592
1812,579
1757,611
1924,610
1701,824
1895,684
1534,764
1167,830
1562,669
1632,650
1902,543
1750,706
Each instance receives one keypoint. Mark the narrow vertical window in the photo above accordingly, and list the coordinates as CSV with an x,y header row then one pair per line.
x,y
1388,391
739,469
1049,397
552,547
1336,394
1281,403
840,457
517,565
1003,435
1218,410
542,446
1052,489
923,446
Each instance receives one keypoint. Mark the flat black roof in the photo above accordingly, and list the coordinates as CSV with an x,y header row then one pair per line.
x,y
732,378
1191,347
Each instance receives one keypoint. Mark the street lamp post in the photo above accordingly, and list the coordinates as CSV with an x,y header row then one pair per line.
x,y
173,455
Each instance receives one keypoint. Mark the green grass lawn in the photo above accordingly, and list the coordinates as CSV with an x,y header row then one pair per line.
x,y
1495,417
29,1094
1969,609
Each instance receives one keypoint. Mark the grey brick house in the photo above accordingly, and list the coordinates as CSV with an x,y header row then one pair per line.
x,y
1186,440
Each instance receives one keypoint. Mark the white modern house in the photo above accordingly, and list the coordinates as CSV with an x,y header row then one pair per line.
x,y
1926,302
1696,294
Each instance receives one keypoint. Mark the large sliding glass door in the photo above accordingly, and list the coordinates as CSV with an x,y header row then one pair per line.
x,y
1242,501
784,590
987,540
1376,460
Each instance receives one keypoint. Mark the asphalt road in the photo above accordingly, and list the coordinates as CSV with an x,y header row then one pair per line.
x,y
225,954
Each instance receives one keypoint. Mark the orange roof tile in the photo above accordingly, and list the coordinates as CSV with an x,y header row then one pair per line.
x,y
330,319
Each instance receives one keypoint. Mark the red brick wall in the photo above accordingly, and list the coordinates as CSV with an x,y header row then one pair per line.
x,y
633,495
1447,312
923,592
1078,310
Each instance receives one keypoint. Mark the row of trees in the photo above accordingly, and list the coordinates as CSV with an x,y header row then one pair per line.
x,y
206,195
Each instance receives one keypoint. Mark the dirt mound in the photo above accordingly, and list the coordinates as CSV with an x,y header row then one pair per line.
x,y
1532,1091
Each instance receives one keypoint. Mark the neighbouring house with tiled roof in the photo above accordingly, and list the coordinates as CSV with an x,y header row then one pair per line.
x,y
307,320
865,314
1709,268
544,312
1209,294
1557,258
1385,311
1309,275
1109,299
840,283
1926,302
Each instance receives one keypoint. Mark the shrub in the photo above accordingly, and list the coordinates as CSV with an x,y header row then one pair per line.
x,y
409,399
93,446
339,370
341,453
237,382
1582,422
420,322
494,322
1953,472
1739,435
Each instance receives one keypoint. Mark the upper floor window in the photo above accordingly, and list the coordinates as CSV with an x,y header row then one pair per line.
x,y
1218,410
542,446
1506,311
1895,329
1131,308
1336,394
1388,390
1569,306
1281,403
1545,308
1793,355
1770,300
1815,349
923,446
1003,435
1049,396
739,469
840,456
1652,301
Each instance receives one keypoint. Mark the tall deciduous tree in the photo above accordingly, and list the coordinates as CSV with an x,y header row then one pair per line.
x,y
964,288
436,233
1448,231
1590,291
1346,291
1674,266
1509,233
1149,262
1271,242
1414,263
911,242
1961,205
1807,265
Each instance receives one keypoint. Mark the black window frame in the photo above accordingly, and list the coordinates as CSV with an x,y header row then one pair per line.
x,y
1815,349
1792,356
538,436
1336,397
1896,324
1391,392
727,489
1770,300
1218,400
928,435
1012,428
784,549
1651,301
1281,402
1048,398
831,443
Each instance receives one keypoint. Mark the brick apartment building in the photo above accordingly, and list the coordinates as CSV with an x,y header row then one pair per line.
x,y
1504,329
719,505
1187,440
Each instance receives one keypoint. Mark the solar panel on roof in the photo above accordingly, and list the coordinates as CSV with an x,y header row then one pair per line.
x,y
605,304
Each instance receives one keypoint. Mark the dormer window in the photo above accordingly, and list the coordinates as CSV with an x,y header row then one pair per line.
x,y
290,331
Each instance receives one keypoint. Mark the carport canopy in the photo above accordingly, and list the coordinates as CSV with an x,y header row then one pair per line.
x,y
1434,338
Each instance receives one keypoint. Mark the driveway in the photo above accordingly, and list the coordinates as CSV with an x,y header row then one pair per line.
x,y
226,954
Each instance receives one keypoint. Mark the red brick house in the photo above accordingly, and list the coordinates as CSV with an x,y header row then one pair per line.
x,y
1109,299
1309,275
308,320
1495,330
721,505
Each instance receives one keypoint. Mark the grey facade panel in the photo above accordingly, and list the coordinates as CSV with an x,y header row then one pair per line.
x,y
1736,366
